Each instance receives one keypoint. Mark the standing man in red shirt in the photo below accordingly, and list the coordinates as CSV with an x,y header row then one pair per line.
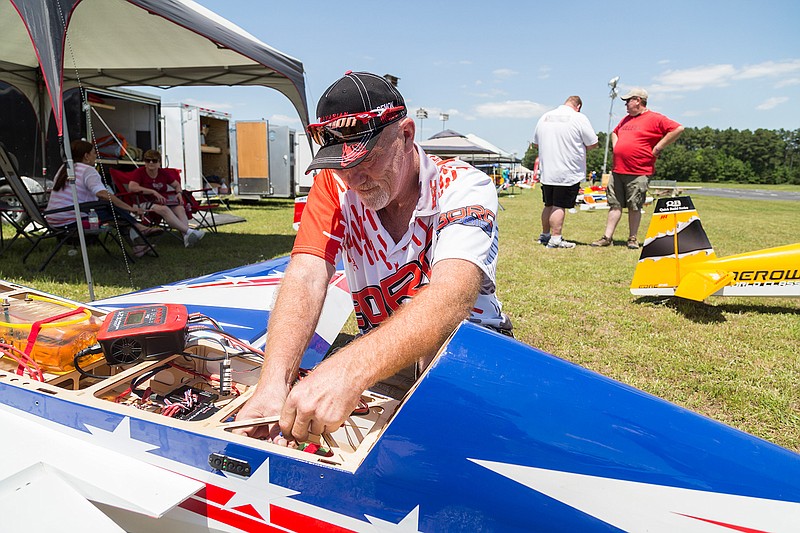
x,y
637,141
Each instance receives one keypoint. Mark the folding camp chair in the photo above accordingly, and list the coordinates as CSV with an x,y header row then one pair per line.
x,y
38,229
200,203
204,209
11,214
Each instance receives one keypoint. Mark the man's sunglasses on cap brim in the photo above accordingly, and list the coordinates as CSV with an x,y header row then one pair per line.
x,y
353,125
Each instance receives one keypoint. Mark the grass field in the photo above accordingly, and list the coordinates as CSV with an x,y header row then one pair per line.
x,y
735,360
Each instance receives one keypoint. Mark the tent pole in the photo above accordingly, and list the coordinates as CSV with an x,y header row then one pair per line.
x,y
78,219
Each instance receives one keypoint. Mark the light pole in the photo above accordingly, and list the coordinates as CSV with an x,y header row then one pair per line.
x,y
422,114
444,117
613,94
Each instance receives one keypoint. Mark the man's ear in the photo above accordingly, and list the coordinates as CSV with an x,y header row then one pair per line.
x,y
409,129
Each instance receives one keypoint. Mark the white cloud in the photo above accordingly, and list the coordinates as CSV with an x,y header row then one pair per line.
x,y
284,120
771,103
769,69
787,83
511,109
692,79
504,72
703,76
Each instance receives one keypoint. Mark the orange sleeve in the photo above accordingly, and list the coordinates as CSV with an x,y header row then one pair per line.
x,y
321,230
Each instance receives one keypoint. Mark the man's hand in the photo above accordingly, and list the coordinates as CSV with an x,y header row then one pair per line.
x,y
265,402
321,402
291,326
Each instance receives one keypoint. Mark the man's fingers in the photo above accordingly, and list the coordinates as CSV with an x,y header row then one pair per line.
x,y
316,428
289,422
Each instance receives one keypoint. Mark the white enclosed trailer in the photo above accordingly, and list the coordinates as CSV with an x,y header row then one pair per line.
x,y
265,160
197,141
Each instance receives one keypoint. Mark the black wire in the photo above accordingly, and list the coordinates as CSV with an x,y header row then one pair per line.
x,y
91,350
135,382
203,358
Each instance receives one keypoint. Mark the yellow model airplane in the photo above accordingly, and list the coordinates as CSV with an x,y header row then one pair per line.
x,y
677,260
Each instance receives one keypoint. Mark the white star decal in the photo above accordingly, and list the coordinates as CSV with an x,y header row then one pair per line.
x,y
255,490
174,288
408,524
119,439
633,506
236,280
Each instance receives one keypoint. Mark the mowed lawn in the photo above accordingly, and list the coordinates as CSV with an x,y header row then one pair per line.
x,y
733,359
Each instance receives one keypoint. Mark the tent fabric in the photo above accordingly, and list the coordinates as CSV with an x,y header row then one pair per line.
x,y
49,46
468,147
446,133
501,155
453,146
113,43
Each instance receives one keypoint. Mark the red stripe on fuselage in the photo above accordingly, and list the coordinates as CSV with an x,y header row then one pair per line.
x,y
723,524
225,516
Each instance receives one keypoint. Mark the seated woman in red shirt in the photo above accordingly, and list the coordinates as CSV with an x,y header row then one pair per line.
x,y
164,191
89,188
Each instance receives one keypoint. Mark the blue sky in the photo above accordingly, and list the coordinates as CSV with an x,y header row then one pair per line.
x,y
495,66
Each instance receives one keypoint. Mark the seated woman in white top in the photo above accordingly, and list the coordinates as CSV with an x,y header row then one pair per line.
x,y
90,188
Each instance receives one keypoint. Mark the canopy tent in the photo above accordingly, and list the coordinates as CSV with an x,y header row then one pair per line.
x,y
453,147
59,44
446,133
501,156
470,148
49,46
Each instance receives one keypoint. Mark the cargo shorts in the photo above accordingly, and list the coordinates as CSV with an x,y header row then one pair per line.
x,y
627,190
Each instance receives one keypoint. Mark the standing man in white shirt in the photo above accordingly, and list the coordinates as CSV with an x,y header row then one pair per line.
x,y
563,135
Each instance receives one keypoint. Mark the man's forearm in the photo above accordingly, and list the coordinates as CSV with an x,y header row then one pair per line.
x,y
294,316
418,328
670,137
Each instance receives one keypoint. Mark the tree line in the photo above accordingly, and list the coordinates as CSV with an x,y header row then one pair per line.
x,y
711,155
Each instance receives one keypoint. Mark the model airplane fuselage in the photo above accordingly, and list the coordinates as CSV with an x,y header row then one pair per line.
x,y
677,259
495,436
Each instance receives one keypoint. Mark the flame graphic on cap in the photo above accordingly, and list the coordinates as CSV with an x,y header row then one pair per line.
x,y
352,152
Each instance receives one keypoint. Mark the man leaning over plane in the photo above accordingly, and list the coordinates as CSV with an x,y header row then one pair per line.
x,y
419,240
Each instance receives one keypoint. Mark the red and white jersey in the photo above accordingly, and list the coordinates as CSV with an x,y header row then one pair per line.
x,y
454,218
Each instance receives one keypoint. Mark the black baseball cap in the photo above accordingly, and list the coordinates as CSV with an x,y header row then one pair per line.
x,y
351,114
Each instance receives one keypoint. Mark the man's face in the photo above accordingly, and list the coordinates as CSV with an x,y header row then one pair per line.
x,y
375,179
634,106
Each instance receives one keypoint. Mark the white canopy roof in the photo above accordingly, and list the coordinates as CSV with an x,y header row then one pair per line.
x,y
111,43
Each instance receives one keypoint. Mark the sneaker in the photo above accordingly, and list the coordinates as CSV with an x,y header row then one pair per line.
x,y
544,238
633,243
603,241
192,237
561,243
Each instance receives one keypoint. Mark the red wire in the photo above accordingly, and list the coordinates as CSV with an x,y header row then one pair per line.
x,y
26,362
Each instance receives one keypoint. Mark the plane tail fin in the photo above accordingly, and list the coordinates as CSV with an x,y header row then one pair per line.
x,y
675,243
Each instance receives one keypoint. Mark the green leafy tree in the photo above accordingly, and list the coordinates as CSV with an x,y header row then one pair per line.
x,y
711,155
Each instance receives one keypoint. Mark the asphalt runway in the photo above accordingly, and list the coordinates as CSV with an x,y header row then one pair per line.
x,y
746,194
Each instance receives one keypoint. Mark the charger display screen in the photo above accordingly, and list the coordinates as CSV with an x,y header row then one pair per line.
x,y
134,319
